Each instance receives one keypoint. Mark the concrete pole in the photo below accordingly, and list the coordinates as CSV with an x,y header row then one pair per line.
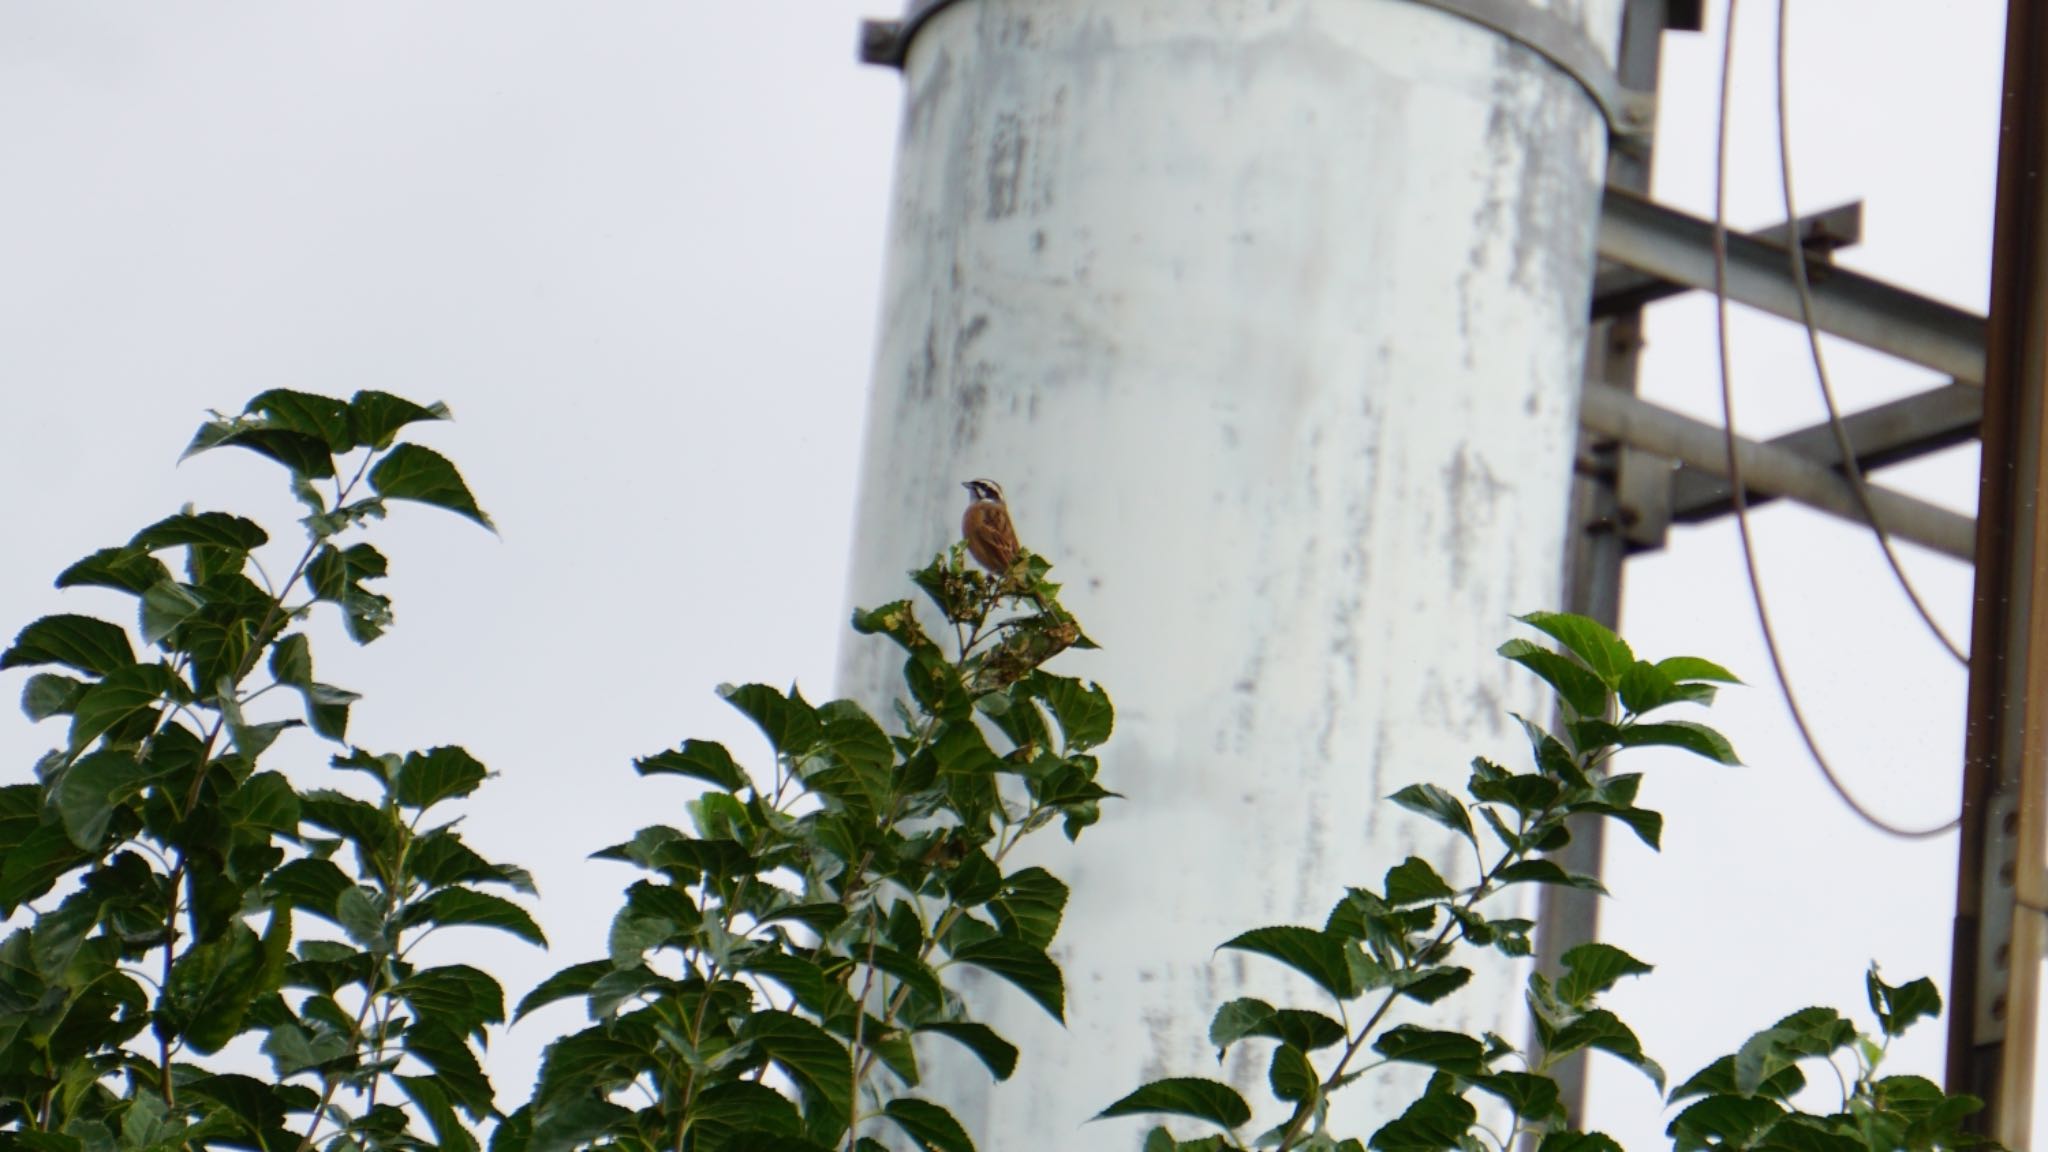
x,y
1268,314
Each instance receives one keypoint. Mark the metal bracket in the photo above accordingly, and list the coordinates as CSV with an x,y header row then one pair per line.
x,y
1995,918
1630,114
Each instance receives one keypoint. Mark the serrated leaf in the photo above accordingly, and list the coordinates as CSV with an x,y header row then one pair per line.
x,y
1029,906
1541,871
1437,1122
456,906
48,694
1695,738
125,569
998,1055
445,773
1290,1074
817,1063
410,472
1313,954
930,1125
1453,1052
698,759
90,790
1439,805
1722,1122
1692,669
1604,653
206,529
82,642
126,696
1209,1100
323,418
1897,1008
1594,968
1413,881
1574,683
374,418
1028,969
306,456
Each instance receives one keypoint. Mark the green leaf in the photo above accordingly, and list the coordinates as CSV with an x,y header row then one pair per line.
x,y
1237,1019
1208,1100
1805,1033
1719,1122
1692,669
313,884
1313,954
1029,904
789,723
82,642
291,660
48,694
461,998
1439,805
454,1065
996,1053
699,759
1413,881
337,577
306,456
1083,710
211,988
1429,985
927,1123
1558,1141
321,417
1546,872
575,980
445,773
128,696
1601,650
1290,1074
1029,969
410,472
1529,1094
265,804
449,1133
819,1065
1575,685
1453,1052
1897,1008
126,569
374,418
205,529
1594,968
1718,1078
91,790
1695,738
453,906
1601,1029
1437,1122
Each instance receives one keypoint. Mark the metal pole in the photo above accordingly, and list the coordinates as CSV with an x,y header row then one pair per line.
x,y
1268,315
1995,985
1595,546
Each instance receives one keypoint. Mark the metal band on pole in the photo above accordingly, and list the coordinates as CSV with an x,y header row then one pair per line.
x,y
1630,114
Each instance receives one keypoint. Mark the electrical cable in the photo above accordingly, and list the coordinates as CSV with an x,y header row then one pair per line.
x,y
1738,490
1851,467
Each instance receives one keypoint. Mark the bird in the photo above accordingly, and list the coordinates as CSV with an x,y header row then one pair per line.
x,y
991,538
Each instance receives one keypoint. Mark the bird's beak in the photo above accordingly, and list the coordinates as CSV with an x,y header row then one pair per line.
x,y
967,484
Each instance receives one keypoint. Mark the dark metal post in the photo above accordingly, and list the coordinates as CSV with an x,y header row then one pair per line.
x,y
1596,544
1998,932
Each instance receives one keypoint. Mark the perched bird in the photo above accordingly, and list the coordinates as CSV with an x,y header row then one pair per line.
x,y
991,538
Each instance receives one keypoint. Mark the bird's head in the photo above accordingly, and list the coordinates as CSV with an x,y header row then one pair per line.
x,y
979,490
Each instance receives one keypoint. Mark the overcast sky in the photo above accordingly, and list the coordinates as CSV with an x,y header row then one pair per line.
x,y
636,247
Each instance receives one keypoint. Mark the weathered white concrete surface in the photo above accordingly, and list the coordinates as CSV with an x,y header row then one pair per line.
x,y
1267,313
